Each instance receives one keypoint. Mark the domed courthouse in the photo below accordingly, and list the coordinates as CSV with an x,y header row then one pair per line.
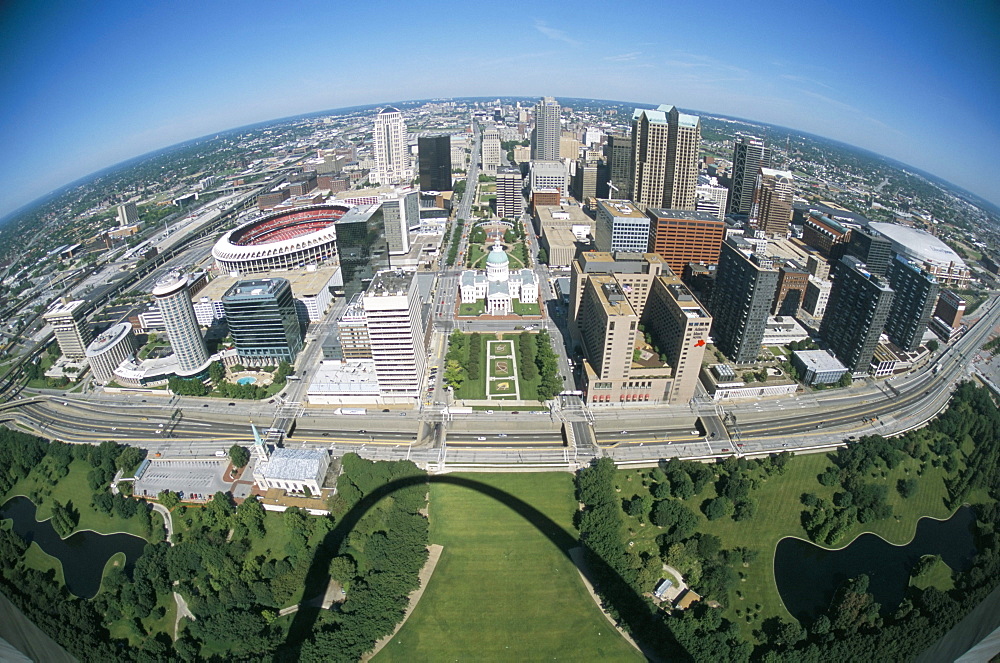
x,y
498,286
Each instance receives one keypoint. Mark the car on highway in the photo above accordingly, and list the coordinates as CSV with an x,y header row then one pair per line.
x,y
726,450
481,439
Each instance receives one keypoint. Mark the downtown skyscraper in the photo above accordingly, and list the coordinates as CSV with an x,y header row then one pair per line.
x,y
392,163
856,314
665,146
745,284
434,154
749,156
547,132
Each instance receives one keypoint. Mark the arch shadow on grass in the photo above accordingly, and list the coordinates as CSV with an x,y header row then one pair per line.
x,y
645,624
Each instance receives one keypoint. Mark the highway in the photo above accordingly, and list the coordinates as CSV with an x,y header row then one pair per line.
x,y
197,426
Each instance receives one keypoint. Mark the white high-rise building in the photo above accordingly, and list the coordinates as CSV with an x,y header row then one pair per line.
x,y
711,197
549,175
70,328
510,201
392,310
491,151
174,301
548,131
392,161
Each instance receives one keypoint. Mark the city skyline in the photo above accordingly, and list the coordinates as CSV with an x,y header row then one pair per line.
x,y
92,86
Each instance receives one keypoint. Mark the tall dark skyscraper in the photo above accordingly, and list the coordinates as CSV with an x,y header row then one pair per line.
x,y
856,313
262,320
361,247
435,162
618,154
749,156
916,294
745,284
870,248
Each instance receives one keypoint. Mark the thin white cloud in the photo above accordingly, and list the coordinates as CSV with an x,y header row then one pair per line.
x,y
807,80
624,57
556,33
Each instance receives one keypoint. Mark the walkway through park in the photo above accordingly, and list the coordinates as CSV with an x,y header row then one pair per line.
x,y
434,554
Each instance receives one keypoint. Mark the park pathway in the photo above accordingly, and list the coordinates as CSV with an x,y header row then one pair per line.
x,y
182,606
577,555
434,555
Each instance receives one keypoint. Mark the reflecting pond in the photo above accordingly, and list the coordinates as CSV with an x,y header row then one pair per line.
x,y
807,575
83,555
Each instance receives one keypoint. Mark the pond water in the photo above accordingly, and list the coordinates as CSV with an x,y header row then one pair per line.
x,y
83,555
807,576
247,380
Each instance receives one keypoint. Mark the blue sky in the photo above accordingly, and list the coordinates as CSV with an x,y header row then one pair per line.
x,y
86,85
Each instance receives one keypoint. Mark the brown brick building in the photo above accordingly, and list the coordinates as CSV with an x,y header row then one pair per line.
x,y
681,236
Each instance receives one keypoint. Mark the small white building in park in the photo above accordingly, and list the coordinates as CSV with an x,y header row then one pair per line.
x,y
292,470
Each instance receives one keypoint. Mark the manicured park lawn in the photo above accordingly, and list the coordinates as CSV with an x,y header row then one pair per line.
x,y
476,308
502,590
938,576
527,308
35,558
476,254
73,488
779,515
476,389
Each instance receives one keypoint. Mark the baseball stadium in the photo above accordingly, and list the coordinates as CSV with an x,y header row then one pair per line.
x,y
284,240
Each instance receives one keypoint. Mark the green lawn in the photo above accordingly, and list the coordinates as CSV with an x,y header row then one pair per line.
x,y
35,558
938,576
475,256
497,388
477,308
779,515
272,545
501,368
502,590
72,488
527,308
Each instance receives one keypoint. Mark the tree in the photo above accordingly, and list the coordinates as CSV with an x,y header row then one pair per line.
x,y
907,487
638,506
676,518
250,514
129,458
239,455
845,380
218,510
216,372
64,518
745,509
543,256
932,345
716,508
169,498
454,374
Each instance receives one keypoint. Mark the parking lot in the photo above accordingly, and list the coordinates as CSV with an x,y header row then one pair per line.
x,y
195,479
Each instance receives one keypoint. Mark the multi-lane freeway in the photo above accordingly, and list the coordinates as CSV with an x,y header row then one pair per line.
x,y
440,439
